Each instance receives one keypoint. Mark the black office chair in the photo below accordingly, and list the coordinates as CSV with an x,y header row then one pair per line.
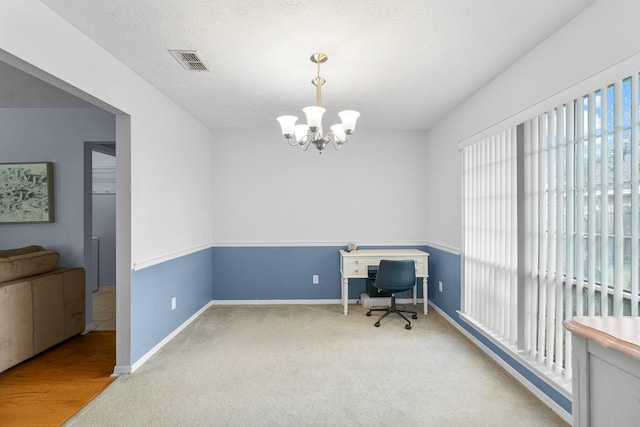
x,y
394,277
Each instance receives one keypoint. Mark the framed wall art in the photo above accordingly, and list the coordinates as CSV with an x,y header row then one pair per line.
x,y
26,192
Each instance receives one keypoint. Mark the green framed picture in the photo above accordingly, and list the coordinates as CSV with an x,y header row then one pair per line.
x,y
26,193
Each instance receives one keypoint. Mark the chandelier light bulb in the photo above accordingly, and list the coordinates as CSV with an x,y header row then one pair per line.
x,y
301,132
349,118
338,131
314,117
287,124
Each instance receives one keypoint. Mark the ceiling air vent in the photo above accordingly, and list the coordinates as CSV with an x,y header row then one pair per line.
x,y
190,60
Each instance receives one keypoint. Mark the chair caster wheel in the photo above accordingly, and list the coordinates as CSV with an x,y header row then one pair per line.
x,y
415,316
368,314
377,324
407,326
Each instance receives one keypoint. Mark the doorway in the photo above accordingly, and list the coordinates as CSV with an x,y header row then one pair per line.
x,y
100,168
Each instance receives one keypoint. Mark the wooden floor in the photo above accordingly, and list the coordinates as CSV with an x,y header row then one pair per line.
x,y
51,387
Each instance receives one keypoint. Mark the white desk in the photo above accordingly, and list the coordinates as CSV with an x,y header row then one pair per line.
x,y
355,265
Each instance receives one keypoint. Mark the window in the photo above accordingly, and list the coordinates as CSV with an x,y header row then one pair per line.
x,y
572,175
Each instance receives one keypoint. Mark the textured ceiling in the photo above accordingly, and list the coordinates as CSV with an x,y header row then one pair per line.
x,y
402,63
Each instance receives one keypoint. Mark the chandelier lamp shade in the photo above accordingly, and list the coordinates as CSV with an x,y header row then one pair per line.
x,y
304,135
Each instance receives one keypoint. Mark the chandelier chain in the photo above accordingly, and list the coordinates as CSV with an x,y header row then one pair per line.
x,y
318,58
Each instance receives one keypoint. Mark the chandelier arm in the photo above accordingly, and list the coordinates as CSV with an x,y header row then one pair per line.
x,y
294,142
305,146
305,142
335,141
331,139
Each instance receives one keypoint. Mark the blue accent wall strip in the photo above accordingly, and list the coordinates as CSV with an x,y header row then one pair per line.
x,y
187,278
281,273
445,267
265,273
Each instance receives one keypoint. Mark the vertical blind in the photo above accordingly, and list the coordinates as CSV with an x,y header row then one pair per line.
x,y
490,234
580,251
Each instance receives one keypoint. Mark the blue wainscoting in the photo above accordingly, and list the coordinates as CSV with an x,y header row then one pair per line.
x,y
281,273
187,278
446,267
275,273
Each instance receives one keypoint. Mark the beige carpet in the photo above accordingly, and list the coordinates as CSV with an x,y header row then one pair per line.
x,y
312,366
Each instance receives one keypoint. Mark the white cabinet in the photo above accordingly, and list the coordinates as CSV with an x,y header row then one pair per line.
x,y
606,371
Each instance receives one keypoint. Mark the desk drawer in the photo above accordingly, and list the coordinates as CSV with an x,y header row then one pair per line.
x,y
357,267
421,267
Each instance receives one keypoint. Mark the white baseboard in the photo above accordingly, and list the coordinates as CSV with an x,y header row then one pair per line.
x,y
369,302
120,370
275,301
88,328
562,413
300,301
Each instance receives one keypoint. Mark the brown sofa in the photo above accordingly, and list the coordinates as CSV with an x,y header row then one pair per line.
x,y
40,306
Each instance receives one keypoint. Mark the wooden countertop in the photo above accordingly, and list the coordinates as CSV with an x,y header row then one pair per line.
x,y
617,333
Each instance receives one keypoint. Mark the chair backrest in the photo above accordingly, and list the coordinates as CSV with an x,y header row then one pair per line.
x,y
395,276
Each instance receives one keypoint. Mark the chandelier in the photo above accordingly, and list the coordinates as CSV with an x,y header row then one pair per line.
x,y
311,133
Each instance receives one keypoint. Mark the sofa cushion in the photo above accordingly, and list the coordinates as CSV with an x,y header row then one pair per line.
x,y
73,290
16,323
26,265
20,251
48,311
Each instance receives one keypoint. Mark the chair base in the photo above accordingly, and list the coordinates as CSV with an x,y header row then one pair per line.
x,y
394,309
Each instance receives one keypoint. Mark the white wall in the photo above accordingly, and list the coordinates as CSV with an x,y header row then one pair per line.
x,y
602,36
164,154
58,136
170,151
371,191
